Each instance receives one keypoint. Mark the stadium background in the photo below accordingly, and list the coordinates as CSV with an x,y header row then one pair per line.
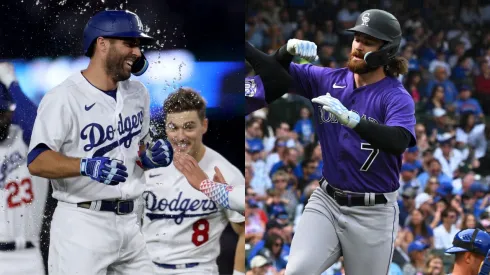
x,y
447,43
199,47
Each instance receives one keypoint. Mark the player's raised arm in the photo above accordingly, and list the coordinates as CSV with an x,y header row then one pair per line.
x,y
228,196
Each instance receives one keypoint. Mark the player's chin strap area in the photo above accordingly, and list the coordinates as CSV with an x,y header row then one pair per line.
x,y
140,66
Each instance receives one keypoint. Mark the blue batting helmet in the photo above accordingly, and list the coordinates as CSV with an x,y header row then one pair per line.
x,y
471,240
117,24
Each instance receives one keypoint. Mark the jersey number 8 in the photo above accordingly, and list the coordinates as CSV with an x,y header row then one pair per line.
x,y
372,156
19,192
200,232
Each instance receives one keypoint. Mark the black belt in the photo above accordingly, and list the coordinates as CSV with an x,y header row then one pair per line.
x,y
175,266
350,199
118,207
11,246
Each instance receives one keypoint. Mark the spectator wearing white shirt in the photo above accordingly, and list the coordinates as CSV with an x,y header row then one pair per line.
x,y
447,155
440,61
444,233
471,135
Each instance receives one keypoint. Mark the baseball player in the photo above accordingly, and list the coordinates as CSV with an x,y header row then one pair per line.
x,y
181,225
22,197
90,138
271,77
365,121
227,196
470,247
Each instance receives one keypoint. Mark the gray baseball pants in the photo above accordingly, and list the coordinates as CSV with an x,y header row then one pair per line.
x,y
363,235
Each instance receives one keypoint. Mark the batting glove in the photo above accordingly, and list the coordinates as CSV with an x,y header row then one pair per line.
x,y
335,107
105,170
160,154
302,48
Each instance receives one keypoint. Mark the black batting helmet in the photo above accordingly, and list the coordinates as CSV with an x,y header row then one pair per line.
x,y
383,26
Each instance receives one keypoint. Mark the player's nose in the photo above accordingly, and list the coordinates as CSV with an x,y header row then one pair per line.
x,y
136,51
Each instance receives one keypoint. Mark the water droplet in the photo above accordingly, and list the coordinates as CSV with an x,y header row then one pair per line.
x,y
158,31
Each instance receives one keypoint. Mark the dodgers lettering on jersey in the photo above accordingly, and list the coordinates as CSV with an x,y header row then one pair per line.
x,y
78,120
180,224
254,94
22,196
351,163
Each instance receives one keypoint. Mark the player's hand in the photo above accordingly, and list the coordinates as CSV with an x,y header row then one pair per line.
x,y
7,74
335,107
189,167
302,48
218,177
160,154
103,169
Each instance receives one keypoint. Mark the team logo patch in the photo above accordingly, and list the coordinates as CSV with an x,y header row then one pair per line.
x,y
365,19
250,87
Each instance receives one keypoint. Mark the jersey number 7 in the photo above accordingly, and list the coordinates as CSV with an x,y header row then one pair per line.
x,y
20,192
372,156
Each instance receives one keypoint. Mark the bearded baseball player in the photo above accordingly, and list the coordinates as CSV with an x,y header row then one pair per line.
x,y
22,197
181,225
365,121
225,195
90,139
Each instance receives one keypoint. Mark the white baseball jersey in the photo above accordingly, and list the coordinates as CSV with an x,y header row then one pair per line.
x,y
180,224
78,120
22,197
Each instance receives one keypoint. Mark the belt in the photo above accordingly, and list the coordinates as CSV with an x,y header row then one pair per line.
x,y
118,207
11,246
353,199
176,266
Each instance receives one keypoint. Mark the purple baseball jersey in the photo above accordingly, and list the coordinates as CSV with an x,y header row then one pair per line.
x,y
254,94
351,163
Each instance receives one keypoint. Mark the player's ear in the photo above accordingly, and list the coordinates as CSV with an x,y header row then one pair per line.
x,y
102,44
205,125
468,258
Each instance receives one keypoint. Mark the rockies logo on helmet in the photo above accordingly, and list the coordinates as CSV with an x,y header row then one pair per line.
x,y
365,19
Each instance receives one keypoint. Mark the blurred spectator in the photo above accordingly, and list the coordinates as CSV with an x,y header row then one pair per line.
x,y
272,251
434,265
411,156
417,251
482,86
408,177
254,222
418,229
445,232
434,170
412,84
406,205
447,155
467,104
441,78
260,266
304,127
281,197
436,99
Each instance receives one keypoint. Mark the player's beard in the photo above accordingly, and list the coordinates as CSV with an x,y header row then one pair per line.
x,y
116,66
358,66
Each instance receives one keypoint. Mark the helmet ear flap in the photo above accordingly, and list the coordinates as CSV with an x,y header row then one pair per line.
x,y
140,66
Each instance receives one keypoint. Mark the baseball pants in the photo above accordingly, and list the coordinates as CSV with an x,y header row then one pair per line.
x,y
85,241
203,268
21,262
363,235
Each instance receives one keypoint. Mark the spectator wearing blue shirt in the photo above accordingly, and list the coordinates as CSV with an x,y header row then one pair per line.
x,y
435,170
304,128
411,156
466,103
407,177
273,227
441,78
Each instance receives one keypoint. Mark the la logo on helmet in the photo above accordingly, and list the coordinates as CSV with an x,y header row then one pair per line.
x,y
365,19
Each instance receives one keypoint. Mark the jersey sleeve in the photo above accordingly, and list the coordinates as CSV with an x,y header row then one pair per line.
x,y
400,111
306,78
53,122
233,176
25,113
254,94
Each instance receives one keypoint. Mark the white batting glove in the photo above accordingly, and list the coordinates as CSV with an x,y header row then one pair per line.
x,y
302,48
7,74
335,107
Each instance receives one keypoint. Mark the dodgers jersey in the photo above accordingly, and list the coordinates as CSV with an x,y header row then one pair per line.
x,y
180,224
78,120
22,196
351,163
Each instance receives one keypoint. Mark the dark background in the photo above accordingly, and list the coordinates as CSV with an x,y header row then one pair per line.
x,y
211,29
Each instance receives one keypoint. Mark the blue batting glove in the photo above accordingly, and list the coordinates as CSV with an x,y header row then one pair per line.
x,y
335,107
105,170
160,154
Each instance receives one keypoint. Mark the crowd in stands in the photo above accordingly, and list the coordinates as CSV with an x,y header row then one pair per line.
x,y
444,179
